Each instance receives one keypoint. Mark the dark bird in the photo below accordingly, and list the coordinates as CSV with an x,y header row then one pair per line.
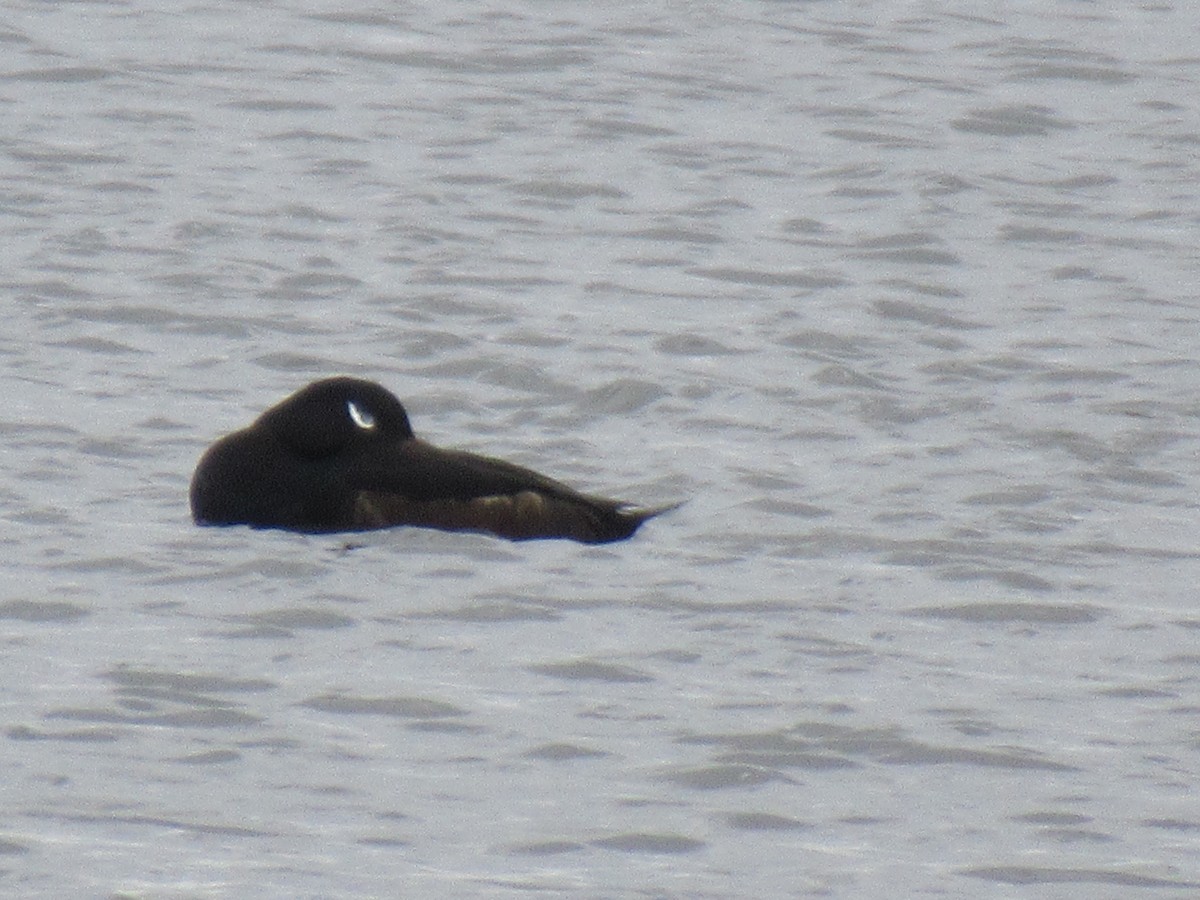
x,y
340,455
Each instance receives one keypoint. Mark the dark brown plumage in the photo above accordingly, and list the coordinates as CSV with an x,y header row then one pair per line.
x,y
340,455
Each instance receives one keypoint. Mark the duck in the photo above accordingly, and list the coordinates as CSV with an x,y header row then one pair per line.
x,y
340,456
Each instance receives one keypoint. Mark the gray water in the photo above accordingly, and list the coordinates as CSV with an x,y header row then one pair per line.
x,y
901,298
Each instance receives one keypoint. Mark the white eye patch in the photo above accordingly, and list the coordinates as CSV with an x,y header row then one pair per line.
x,y
361,417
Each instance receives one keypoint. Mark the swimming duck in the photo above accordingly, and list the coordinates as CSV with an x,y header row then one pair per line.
x,y
340,455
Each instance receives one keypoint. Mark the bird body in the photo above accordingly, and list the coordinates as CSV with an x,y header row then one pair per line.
x,y
340,455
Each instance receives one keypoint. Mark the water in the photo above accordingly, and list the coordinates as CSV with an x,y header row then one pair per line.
x,y
901,298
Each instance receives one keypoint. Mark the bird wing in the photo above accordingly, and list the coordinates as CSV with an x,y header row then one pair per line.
x,y
415,483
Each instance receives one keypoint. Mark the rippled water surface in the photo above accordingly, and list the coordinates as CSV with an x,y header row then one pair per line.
x,y
902,298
